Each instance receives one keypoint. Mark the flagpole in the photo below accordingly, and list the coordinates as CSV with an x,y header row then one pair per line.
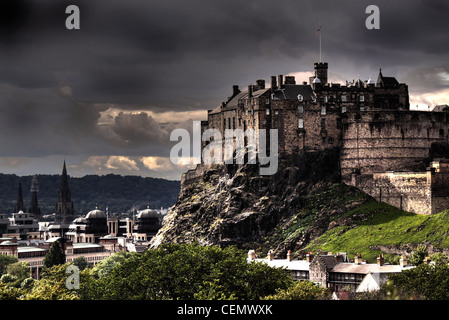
x,y
319,32
320,45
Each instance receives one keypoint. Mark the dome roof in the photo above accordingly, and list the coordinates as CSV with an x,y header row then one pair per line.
x,y
316,80
96,214
7,242
79,220
148,213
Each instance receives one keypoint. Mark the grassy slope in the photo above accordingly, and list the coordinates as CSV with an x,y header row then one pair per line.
x,y
373,224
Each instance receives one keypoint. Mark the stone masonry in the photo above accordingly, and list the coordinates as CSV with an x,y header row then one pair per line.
x,y
387,150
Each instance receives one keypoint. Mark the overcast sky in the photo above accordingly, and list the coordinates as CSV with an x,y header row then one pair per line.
x,y
106,97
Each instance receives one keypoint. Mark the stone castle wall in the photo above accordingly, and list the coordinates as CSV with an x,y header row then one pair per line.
x,y
389,141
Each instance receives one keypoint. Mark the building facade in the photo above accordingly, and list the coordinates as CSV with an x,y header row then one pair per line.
x,y
369,122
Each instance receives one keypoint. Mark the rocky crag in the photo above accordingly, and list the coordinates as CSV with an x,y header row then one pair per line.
x,y
234,205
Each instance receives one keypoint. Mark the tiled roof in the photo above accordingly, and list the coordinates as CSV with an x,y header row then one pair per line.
x,y
365,268
291,92
293,265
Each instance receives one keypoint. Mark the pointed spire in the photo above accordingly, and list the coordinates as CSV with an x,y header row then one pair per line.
x,y
380,79
64,207
19,202
34,208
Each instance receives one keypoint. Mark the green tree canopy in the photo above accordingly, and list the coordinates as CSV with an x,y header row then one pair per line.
x,y
5,261
301,290
55,255
426,281
185,271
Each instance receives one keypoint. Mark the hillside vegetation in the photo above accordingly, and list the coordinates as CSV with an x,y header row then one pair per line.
x,y
369,229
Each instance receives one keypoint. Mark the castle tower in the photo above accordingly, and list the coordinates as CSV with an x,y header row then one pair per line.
x,y
34,208
64,208
19,202
321,71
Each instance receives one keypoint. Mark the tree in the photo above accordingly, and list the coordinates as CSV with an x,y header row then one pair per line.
x,y
9,293
5,261
81,263
8,278
55,255
301,290
418,256
189,271
426,281
19,269
103,268
51,286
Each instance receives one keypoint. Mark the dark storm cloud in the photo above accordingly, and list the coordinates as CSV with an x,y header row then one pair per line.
x,y
178,55
153,52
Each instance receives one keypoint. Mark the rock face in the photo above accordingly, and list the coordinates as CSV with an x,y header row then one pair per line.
x,y
234,205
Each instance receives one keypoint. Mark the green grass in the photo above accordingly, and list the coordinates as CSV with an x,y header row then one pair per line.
x,y
386,226
367,224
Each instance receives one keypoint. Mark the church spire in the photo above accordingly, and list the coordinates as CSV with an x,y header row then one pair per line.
x,y
64,208
34,208
19,202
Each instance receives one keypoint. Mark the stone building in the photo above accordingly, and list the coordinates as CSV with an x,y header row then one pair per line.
x,y
34,254
147,224
88,229
370,122
335,271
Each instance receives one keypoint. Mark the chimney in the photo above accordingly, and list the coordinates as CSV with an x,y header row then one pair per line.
x,y
339,257
403,261
250,91
280,81
273,83
358,259
309,257
290,80
235,90
380,260
289,255
270,255
251,254
260,84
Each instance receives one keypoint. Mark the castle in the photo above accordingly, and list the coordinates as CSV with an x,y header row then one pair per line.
x,y
392,153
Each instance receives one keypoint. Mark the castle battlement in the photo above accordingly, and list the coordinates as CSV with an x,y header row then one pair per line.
x,y
369,121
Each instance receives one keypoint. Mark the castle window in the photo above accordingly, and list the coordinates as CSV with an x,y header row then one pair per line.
x,y
267,101
224,123
300,123
300,109
276,112
323,111
325,99
343,98
441,132
362,98
343,109
267,111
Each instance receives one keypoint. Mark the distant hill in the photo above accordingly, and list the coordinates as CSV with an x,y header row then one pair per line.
x,y
119,193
